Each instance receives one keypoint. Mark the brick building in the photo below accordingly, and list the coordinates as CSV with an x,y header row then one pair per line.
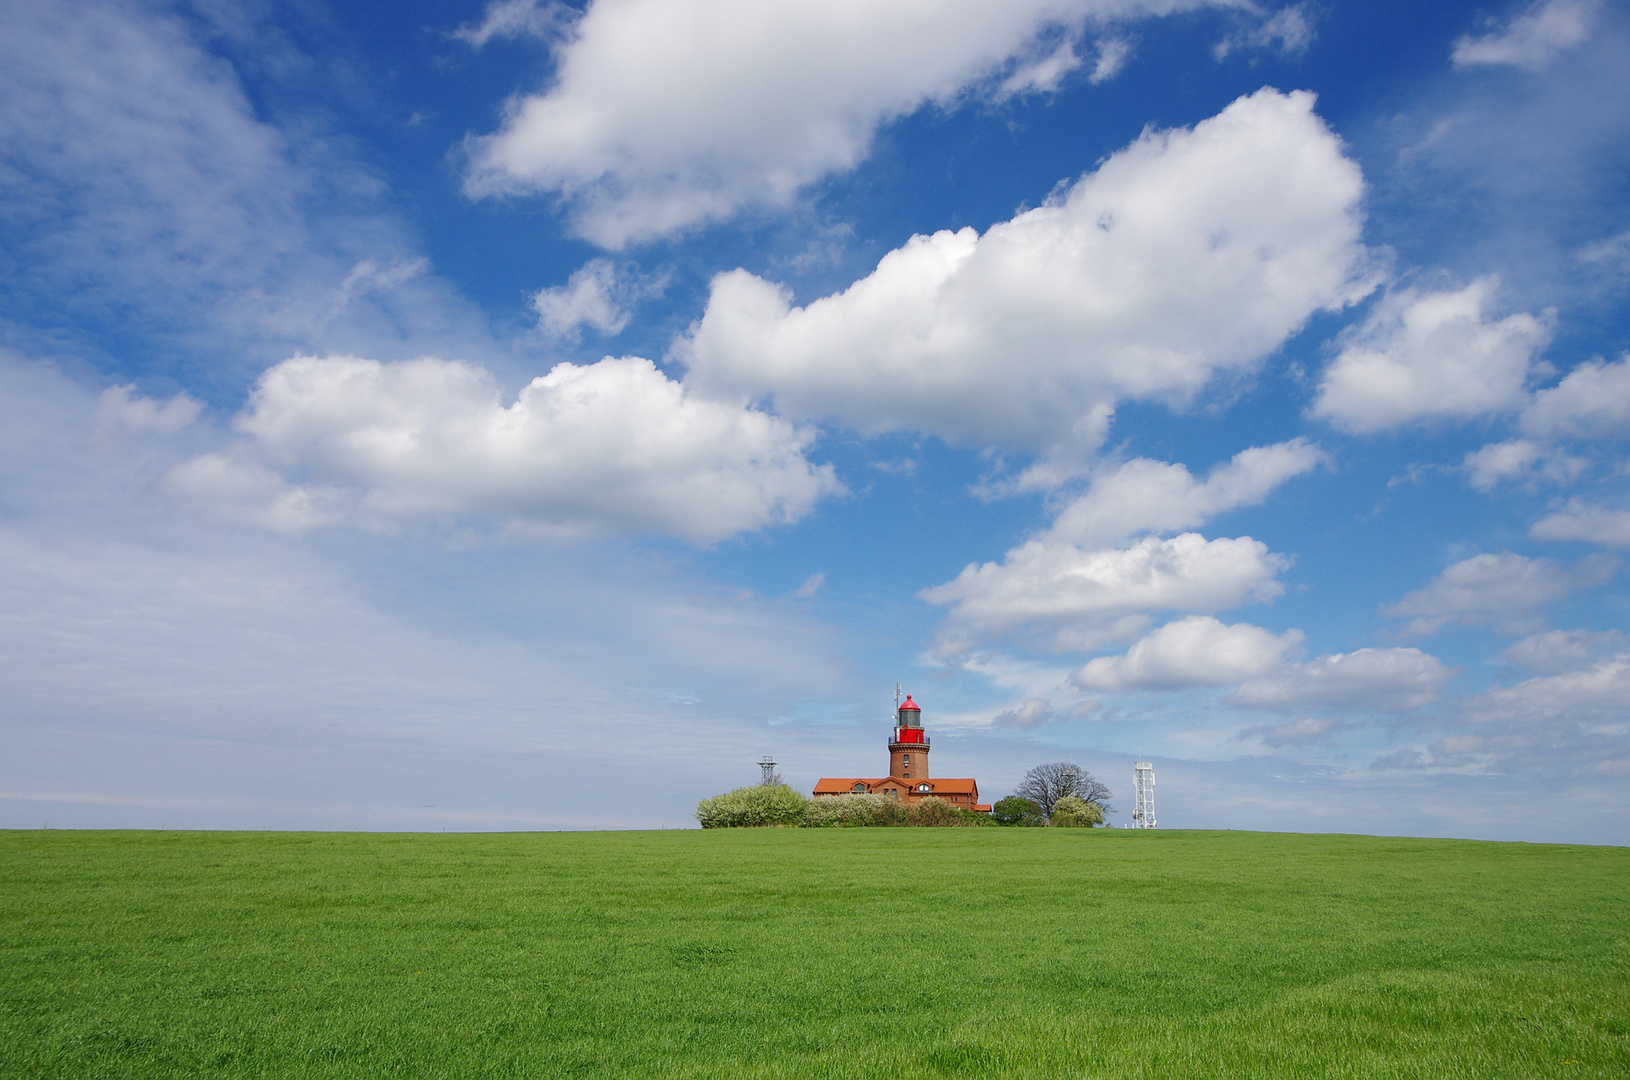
x,y
908,777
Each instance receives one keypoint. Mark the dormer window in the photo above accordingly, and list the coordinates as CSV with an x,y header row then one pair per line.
x,y
925,787
858,787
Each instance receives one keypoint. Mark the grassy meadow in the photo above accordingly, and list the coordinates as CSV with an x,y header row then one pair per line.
x,y
976,953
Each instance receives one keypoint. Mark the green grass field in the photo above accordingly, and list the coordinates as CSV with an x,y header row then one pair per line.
x,y
810,953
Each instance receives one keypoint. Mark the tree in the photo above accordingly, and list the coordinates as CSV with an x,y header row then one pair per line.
x,y
1046,784
1015,810
1071,812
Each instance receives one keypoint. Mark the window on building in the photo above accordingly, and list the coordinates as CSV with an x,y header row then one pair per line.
x,y
858,787
923,787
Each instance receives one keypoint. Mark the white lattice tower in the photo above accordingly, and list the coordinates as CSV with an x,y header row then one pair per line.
x,y
767,763
1143,783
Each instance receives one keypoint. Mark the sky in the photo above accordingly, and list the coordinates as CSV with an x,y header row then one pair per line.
x,y
526,415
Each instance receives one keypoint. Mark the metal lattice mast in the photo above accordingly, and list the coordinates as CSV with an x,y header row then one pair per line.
x,y
1143,782
767,763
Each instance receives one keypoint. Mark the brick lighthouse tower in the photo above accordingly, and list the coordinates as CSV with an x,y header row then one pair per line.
x,y
908,747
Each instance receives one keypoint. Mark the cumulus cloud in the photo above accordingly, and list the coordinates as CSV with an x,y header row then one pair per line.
x,y
1084,597
1583,521
1431,355
611,446
1565,724
1033,713
1309,731
1371,680
1532,39
123,410
1557,652
1142,495
1520,461
1591,402
1196,651
1595,694
599,294
1503,590
667,114
1189,254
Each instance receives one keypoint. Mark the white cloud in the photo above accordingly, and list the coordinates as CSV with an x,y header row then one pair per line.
x,y
515,19
1582,521
145,653
1155,496
812,585
1113,53
1288,30
1557,652
1084,597
666,114
1435,355
1189,254
1502,590
1196,651
1374,680
598,294
122,410
1596,694
1613,252
1520,461
150,203
1042,74
1592,402
1309,731
1533,39
614,445
1033,713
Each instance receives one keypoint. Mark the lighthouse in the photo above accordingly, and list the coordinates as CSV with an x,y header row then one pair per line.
x,y
908,746
908,778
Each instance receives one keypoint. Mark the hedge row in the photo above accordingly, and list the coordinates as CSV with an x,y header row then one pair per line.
x,y
777,804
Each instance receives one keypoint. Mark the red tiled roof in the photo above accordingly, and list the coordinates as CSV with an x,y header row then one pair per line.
x,y
843,785
946,785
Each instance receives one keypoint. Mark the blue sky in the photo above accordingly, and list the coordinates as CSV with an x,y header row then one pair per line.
x,y
526,415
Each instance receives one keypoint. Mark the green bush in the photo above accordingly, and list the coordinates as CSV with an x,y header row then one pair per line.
x,y
830,811
761,804
975,818
1016,810
1074,813
933,812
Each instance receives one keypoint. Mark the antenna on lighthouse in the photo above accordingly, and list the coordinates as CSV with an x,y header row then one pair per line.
x,y
767,763
1143,783
897,697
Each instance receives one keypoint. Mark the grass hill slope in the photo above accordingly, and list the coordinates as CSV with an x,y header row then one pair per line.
x,y
810,953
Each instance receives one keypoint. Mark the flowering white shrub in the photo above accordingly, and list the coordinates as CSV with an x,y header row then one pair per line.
x,y
761,804
1073,812
853,809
